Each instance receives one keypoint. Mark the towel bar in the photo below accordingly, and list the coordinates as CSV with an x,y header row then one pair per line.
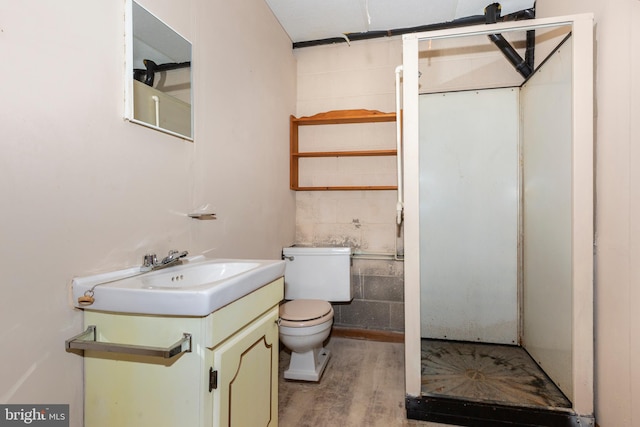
x,y
87,341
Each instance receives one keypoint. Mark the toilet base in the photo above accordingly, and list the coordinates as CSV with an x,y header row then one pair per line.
x,y
308,366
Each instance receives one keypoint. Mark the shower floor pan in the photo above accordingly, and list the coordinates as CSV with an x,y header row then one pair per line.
x,y
478,384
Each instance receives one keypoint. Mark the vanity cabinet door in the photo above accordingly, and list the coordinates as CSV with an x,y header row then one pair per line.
x,y
126,390
246,367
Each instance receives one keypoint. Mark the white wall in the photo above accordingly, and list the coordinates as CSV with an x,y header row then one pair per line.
x,y
338,77
469,206
84,191
547,201
617,290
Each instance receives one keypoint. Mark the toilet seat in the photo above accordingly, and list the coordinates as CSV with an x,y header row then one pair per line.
x,y
302,313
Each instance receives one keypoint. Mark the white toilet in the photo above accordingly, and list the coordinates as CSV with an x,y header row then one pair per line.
x,y
312,277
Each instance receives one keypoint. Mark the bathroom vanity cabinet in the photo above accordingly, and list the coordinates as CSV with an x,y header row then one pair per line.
x,y
229,378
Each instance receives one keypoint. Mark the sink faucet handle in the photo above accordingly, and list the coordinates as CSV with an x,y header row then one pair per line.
x,y
149,260
174,256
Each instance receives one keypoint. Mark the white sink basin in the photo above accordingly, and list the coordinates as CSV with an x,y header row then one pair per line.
x,y
196,287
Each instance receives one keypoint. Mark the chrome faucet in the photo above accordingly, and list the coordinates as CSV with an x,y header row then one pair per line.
x,y
150,261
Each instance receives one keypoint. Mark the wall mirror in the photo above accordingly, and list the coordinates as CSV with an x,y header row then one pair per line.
x,y
158,74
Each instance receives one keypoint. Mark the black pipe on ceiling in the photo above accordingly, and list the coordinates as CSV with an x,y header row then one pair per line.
x,y
510,53
456,23
531,47
531,42
523,66
147,75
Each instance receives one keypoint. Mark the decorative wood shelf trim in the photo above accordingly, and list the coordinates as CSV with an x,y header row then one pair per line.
x,y
345,116
346,153
347,188
335,117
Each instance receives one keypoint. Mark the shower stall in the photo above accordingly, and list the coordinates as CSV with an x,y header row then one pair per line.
x,y
498,189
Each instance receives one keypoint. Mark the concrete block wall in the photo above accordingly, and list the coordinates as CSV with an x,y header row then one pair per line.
x,y
356,76
363,221
378,302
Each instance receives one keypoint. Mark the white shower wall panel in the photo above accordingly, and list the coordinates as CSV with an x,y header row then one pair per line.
x,y
547,182
469,201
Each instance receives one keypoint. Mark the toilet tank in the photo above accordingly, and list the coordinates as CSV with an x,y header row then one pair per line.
x,y
317,273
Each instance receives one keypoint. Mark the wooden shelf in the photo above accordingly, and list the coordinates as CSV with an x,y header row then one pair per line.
x,y
333,118
346,153
337,117
347,188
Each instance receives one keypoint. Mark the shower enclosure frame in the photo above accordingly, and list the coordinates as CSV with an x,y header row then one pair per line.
x,y
582,235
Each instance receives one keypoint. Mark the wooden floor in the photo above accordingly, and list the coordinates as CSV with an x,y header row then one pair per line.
x,y
363,385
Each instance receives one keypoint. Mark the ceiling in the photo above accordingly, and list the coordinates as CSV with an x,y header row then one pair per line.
x,y
309,20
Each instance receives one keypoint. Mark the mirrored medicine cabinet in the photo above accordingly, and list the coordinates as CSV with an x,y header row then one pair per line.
x,y
158,80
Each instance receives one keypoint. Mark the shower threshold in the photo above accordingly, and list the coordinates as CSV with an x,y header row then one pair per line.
x,y
479,384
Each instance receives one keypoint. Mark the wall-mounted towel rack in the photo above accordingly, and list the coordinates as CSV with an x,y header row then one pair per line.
x,y
87,341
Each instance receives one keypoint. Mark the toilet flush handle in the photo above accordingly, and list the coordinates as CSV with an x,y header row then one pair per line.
x,y
290,258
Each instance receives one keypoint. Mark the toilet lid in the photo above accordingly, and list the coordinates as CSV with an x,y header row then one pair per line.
x,y
302,310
